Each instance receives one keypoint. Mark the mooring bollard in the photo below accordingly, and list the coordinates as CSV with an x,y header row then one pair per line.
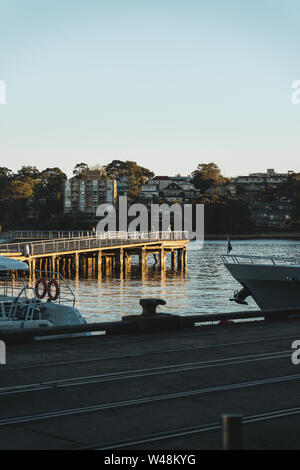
x,y
232,432
149,306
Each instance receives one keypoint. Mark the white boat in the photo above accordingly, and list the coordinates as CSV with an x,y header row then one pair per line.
x,y
34,300
273,282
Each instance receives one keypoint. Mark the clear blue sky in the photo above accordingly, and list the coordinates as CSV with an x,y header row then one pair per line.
x,y
166,83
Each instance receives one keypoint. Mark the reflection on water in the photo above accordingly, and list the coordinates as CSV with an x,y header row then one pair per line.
x,y
205,288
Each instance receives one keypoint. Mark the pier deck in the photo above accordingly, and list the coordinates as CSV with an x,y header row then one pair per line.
x,y
95,255
160,391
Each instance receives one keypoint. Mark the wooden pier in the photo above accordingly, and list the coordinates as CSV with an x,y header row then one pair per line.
x,y
94,255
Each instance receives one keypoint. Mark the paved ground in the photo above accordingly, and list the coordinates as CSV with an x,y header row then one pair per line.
x,y
160,391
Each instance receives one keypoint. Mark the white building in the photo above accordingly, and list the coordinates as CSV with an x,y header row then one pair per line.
x,y
168,188
256,179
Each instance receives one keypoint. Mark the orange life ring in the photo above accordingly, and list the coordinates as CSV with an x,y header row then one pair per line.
x,y
53,282
41,295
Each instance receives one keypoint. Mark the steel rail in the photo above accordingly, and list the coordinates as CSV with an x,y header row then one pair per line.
x,y
148,353
138,373
188,431
144,400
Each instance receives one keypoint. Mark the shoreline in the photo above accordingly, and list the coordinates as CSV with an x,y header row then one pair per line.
x,y
256,236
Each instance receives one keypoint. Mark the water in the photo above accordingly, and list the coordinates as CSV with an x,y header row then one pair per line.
x,y
205,288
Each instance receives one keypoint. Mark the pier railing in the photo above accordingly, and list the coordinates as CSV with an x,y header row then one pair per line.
x,y
103,239
44,234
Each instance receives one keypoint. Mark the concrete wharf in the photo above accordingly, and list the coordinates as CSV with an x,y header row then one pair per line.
x,y
161,391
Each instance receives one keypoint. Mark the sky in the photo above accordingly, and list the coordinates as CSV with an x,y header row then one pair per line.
x,y
166,83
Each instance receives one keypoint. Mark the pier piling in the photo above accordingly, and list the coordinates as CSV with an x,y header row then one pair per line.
x,y
93,256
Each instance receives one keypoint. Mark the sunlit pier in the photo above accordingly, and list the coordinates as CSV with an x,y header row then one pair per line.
x,y
109,252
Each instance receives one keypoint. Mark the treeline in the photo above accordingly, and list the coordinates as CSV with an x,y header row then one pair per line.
x,y
30,198
226,215
33,199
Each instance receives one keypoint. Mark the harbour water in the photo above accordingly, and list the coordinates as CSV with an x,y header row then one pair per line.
x,y
205,287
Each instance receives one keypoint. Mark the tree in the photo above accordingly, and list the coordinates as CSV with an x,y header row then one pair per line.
x,y
80,169
17,199
117,169
226,215
136,174
206,176
28,172
52,177
47,199
5,179
20,189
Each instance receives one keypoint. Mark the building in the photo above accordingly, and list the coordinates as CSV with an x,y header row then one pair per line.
x,y
168,189
227,190
123,186
83,195
149,192
267,199
277,214
257,181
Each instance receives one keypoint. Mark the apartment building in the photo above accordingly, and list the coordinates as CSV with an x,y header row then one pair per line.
x,y
83,195
123,186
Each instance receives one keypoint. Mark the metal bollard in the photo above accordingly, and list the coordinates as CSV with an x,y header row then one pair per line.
x,y
232,432
149,306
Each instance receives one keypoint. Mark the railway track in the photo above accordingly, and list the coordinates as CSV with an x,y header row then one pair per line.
x,y
145,400
139,373
130,356
98,400
189,431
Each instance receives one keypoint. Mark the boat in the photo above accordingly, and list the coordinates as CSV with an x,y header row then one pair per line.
x,y
273,282
34,299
